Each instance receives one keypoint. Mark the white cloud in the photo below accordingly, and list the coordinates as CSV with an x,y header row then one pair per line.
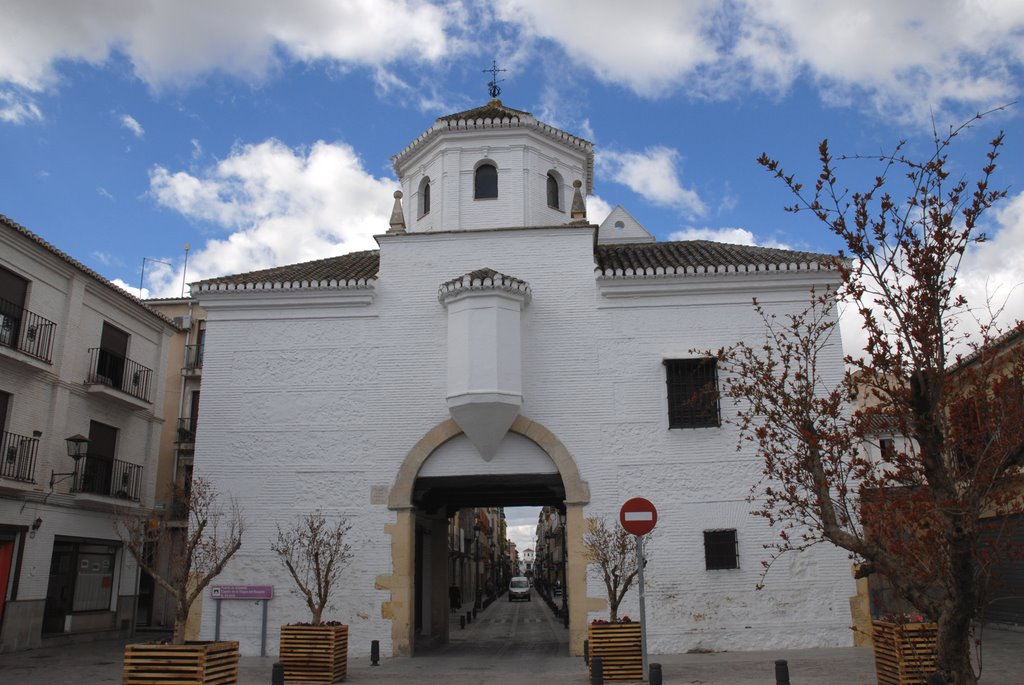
x,y
646,46
652,174
103,192
903,59
909,57
280,205
733,236
991,277
992,272
170,43
130,123
18,109
134,290
597,209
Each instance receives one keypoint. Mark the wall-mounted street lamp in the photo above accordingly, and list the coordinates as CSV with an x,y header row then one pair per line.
x,y
78,447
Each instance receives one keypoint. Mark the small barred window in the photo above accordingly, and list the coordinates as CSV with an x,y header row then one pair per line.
x,y
721,549
692,393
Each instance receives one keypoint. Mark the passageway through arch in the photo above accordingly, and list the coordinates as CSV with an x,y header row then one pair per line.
x,y
441,483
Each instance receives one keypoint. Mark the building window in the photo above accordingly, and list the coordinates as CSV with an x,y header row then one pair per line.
x,y
81,576
485,182
887,446
425,197
692,393
553,191
721,550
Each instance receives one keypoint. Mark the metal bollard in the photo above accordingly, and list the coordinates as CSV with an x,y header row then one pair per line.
x,y
277,674
474,612
586,651
654,675
469,617
781,672
596,671
375,653
462,622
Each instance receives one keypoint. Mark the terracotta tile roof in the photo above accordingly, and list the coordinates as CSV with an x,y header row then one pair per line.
x,y
495,115
492,110
699,256
484,279
628,259
350,270
18,228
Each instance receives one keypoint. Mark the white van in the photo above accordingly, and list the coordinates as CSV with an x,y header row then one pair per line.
x,y
519,588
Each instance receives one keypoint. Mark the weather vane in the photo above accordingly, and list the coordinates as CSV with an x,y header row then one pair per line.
x,y
492,86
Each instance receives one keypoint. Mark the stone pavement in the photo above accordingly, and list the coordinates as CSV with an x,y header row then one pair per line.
x,y
100,662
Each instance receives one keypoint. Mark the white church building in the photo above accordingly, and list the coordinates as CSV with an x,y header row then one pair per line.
x,y
498,349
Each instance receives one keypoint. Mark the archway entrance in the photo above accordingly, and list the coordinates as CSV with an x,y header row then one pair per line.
x,y
442,475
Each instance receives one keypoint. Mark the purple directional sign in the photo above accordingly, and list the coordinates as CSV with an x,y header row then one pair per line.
x,y
242,592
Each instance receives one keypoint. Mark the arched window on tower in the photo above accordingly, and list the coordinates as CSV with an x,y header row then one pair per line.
x,y
425,196
485,182
554,191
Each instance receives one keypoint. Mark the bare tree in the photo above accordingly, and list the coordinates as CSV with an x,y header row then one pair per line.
x,y
315,552
197,551
915,514
614,553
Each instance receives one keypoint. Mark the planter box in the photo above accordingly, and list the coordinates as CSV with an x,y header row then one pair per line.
x,y
618,646
904,652
314,654
193,663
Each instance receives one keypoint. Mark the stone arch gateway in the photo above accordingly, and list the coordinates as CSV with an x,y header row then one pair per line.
x,y
400,609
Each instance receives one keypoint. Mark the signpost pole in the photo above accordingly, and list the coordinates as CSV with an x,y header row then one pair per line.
x,y
639,517
643,608
263,633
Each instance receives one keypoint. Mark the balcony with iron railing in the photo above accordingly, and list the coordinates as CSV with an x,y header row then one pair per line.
x,y
186,431
96,475
26,332
18,457
120,373
193,365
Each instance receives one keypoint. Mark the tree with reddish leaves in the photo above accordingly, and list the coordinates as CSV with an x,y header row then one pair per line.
x,y
931,371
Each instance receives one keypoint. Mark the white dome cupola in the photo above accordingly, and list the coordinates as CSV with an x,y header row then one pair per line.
x,y
491,167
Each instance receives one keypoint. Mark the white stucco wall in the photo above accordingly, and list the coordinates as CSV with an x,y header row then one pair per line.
x,y
313,402
53,399
523,158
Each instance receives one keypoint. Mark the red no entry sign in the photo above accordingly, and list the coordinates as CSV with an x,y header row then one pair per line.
x,y
638,516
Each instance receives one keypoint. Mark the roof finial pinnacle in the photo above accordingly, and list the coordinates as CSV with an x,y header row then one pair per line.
x,y
397,215
492,85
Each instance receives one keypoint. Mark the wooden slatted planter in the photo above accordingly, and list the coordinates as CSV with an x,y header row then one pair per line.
x,y
314,654
904,652
618,646
193,663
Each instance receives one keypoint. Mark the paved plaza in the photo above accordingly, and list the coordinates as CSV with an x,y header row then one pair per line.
x,y
522,644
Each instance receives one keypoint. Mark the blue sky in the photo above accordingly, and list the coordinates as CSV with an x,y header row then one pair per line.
x,y
259,132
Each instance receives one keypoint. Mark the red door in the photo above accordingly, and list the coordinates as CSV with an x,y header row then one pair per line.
x,y
6,557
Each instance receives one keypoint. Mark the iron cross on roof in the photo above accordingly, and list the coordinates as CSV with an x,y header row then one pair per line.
x,y
492,86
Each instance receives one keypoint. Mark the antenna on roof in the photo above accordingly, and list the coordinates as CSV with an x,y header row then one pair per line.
x,y
492,85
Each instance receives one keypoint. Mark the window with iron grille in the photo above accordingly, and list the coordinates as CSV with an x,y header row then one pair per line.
x,y
721,550
692,393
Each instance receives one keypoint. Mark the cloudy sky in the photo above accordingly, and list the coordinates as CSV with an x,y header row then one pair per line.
x,y
260,132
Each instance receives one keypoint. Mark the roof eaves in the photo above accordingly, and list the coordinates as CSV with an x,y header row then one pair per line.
x,y
18,228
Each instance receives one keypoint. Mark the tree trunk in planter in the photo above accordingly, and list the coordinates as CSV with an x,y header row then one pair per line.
x,y
314,654
904,652
618,646
193,663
